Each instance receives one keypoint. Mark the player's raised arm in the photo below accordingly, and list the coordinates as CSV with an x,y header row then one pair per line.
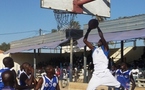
x,y
92,24
86,40
103,39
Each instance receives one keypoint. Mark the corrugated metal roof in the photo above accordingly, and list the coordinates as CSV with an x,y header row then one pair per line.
x,y
122,24
48,38
115,36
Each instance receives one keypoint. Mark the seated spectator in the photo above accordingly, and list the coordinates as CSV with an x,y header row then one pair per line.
x,y
57,71
135,73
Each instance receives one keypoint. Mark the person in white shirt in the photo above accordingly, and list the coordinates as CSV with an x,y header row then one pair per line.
x,y
101,74
135,73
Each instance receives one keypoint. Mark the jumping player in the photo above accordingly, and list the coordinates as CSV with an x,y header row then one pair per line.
x,y
124,76
101,74
48,81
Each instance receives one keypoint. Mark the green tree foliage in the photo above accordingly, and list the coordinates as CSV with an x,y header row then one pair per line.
x,y
75,25
5,46
54,30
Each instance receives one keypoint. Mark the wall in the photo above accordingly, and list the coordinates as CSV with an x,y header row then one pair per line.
x,y
19,58
134,54
1,59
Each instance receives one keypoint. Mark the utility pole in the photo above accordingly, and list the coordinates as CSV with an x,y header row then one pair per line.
x,y
40,33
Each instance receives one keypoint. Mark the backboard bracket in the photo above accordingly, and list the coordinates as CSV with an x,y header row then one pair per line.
x,y
78,5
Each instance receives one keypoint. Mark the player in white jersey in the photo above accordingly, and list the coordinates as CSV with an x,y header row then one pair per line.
x,y
101,74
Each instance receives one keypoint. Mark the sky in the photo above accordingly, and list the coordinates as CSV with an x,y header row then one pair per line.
x,y
20,19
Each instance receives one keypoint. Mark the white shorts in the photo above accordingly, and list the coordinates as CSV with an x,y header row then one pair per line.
x,y
102,78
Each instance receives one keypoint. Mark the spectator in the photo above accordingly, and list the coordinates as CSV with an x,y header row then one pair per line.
x,y
27,76
8,80
8,63
124,76
48,81
135,73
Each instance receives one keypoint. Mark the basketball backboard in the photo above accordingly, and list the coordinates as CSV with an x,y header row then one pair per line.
x,y
93,7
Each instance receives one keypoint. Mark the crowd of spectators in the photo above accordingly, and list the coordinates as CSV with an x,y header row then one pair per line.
x,y
63,63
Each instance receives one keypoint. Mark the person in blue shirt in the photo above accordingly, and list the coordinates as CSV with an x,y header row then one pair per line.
x,y
8,80
48,81
27,78
8,63
124,76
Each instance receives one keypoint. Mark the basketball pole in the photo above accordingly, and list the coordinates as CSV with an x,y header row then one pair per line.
x,y
34,63
71,58
85,63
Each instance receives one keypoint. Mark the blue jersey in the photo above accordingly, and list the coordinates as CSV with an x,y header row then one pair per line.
x,y
23,77
124,78
105,52
8,88
49,84
1,71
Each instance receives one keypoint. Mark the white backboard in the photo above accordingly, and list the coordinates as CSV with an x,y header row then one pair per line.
x,y
96,7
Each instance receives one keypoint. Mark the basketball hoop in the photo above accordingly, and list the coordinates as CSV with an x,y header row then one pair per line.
x,y
63,19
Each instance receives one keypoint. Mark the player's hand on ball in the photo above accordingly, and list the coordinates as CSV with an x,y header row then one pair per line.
x,y
93,23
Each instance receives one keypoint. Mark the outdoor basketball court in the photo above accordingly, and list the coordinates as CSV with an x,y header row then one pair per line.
x,y
66,10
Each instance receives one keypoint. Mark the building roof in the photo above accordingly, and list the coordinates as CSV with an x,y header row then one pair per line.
x,y
115,36
118,29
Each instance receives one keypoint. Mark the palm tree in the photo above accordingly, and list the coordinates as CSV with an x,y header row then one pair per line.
x,y
100,18
74,25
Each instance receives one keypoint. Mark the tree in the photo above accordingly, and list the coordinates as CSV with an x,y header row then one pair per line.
x,y
54,30
100,18
4,46
75,25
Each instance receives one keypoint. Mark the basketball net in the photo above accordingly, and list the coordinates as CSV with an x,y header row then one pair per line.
x,y
63,19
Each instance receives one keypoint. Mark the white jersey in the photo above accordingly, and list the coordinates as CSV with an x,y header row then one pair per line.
x,y
101,74
135,72
100,60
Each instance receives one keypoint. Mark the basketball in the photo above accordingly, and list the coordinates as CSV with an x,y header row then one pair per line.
x,y
93,23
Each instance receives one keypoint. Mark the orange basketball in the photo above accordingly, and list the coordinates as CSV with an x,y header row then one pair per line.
x,y
93,23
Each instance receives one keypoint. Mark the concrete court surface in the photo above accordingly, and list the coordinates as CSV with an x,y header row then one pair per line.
x,y
83,86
